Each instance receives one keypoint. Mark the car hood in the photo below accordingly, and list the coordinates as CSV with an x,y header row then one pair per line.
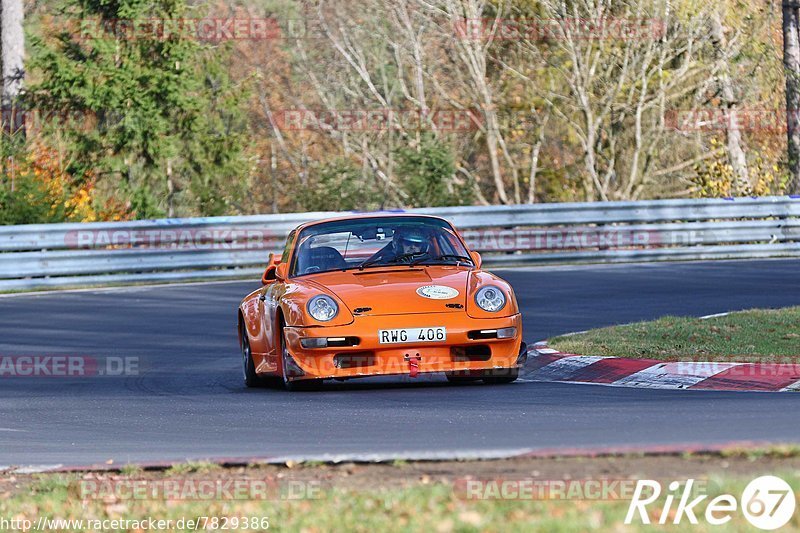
x,y
398,290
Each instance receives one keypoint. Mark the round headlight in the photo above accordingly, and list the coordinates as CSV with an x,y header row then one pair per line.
x,y
322,308
490,298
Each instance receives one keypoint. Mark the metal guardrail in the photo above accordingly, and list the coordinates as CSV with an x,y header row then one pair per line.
x,y
59,255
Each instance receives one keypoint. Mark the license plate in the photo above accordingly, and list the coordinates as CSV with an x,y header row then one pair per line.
x,y
412,335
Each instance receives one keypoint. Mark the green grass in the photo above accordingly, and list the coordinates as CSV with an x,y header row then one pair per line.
x,y
435,507
782,451
758,335
130,470
191,467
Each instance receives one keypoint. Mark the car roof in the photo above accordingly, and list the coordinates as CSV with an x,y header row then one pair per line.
x,y
362,216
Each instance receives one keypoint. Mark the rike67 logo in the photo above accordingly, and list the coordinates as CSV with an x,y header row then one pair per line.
x,y
768,503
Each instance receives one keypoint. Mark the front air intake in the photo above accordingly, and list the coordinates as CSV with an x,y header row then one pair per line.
x,y
474,352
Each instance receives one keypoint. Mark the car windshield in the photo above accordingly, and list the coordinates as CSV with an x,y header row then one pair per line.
x,y
374,242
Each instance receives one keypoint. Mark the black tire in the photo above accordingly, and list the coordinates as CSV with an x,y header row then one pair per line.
x,y
501,377
294,385
251,379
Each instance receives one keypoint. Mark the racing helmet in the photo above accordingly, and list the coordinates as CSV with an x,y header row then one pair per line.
x,y
410,239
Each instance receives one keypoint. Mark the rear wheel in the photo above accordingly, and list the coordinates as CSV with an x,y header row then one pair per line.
x,y
501,376
286,363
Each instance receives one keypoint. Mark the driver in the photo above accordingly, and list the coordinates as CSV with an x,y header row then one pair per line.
x,y
409,241
405,241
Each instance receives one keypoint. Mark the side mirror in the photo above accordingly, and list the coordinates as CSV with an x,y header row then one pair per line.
x,y
281,271
269,275
476,258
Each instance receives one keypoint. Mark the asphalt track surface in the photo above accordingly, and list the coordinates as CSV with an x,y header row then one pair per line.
x,y
188,400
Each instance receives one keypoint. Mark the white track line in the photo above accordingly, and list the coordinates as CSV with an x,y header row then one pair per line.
x,y
716,315
543,351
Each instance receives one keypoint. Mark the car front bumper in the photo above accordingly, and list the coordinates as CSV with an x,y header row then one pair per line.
x,y
469,347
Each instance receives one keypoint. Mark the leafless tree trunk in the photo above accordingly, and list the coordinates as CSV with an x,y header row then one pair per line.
x,y
733,132
13,43
791,63
170,191
534,166
273,176
13,52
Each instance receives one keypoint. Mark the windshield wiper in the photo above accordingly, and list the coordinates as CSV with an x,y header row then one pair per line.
x,y
369,262
455,257
410,255
396,259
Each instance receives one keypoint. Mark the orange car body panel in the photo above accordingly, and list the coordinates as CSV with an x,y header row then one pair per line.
x,y
380,298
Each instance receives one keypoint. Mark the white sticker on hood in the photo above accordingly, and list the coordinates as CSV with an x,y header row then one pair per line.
x,y
437,292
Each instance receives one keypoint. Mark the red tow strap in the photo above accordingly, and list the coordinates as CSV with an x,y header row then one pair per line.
x,y
413,366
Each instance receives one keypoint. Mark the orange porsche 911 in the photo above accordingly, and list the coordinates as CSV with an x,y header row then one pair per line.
x,y
379,295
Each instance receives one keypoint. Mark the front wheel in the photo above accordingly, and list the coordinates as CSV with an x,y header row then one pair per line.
x,y
251,379
286,364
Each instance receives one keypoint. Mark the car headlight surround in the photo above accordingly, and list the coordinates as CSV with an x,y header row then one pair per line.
x,y
490,298
322,308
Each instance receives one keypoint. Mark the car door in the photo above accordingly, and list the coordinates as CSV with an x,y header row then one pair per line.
x,y
270,302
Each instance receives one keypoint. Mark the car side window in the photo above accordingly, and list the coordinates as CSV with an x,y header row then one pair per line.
x,y
289,244
448,243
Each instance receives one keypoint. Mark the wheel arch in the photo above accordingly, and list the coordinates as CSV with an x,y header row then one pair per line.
x,y
239,325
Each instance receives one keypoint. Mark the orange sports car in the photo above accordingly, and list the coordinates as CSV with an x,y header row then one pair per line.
x,y
379,295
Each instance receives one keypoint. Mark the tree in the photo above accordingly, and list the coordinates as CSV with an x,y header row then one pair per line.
x,y
152,114
13,50
427,173
791,63
733,133
613,93
339,186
